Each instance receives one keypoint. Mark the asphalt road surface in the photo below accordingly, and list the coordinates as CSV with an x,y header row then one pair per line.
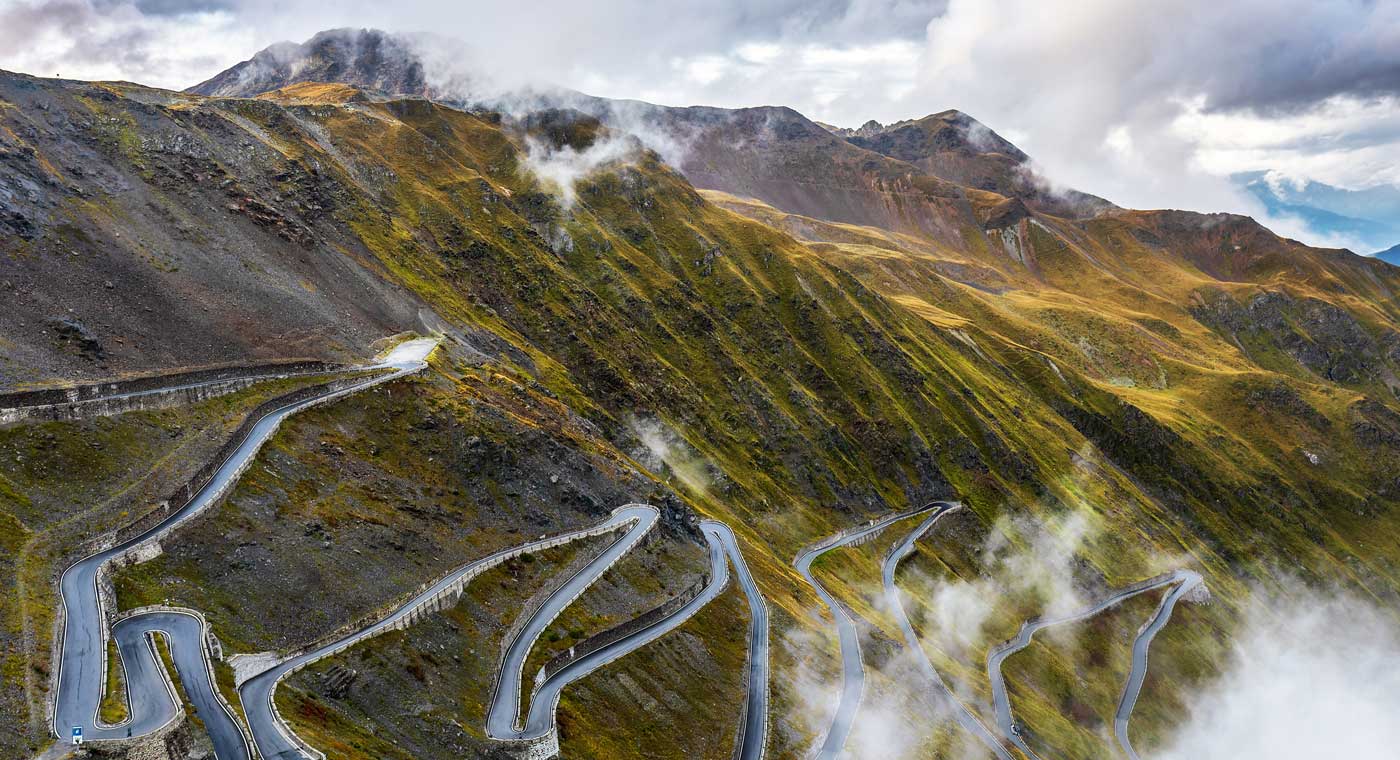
x,y
1187,580
546,698
275,739
501,719
148,694
751,743
82,656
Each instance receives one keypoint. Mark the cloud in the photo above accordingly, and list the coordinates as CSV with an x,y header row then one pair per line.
x,y
662,449
558,169
814,699
1021,559
1313,675
81,39
894,694
1156,106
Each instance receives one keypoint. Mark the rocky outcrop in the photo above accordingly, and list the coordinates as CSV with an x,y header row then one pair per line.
x,y
1321,337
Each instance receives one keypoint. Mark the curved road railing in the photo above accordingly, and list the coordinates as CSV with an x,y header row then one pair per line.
x,y
960,712
84,632
852,667
502,713
754,726
1185,580
540,720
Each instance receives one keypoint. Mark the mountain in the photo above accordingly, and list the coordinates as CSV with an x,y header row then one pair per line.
x,y
1390,255
120,216
954,146
1371,217
885,176
765,321
366,58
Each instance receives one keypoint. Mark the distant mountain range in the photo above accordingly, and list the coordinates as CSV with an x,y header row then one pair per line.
x,y
1370,217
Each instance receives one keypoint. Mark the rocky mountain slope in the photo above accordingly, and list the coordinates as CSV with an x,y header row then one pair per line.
x,y
142,232
832,326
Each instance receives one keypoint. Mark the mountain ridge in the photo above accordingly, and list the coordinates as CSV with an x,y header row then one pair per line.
x,y
948,138
366,58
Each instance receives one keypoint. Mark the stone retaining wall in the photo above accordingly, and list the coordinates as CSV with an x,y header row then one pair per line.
x,y
172,741
621,630
151,392
186,493
553,735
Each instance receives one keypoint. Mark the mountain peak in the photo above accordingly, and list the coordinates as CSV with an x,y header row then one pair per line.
x,y
365,58
950,131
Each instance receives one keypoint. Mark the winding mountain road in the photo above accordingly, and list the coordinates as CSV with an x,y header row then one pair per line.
x,y
1185,580
82,648
501,718
852,667
724,550
755,728
274,739
545,700
151,697
722,546
960,712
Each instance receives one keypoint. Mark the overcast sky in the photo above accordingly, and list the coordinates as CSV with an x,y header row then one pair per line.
x,y
1150,104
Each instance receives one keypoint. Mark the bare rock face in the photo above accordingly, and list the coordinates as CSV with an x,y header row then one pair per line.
x,y
1199,594
73,336
1320,336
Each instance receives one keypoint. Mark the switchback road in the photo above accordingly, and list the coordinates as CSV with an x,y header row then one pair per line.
x,y
82,647
1001,705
